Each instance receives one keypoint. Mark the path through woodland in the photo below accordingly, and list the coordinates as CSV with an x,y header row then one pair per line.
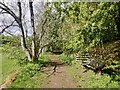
x,y
57,75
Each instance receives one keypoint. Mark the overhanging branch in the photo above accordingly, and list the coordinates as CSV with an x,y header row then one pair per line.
x,y
9,11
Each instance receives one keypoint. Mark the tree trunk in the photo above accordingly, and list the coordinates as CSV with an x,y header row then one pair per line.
x,y
34,47
23,40
27,51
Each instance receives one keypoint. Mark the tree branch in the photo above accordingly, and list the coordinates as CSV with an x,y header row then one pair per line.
x,y
40,50
7,27
3,12
11,26
9,11
18,19
43,30
9,33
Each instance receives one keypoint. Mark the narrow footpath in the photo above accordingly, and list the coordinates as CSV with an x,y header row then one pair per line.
x,y
57,75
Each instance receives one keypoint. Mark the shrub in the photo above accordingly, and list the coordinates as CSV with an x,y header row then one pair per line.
x,y
44,58
66,59
30,69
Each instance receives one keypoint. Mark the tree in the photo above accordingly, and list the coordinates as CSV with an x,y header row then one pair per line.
x,y
36,48
117,18
86,25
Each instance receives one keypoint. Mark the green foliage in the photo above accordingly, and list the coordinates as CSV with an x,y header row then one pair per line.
x,y
29,76
90,80
13,52
109,53
85,25
103,81
8,66
72,27
24,81
113,64
10,56
11,40
12,47
66,59
55,46
22,61
44,58
30,69
28,72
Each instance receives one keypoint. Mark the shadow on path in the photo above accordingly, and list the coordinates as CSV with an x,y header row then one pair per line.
x,y
57,75
51,67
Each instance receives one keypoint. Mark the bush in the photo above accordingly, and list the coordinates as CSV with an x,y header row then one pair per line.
x,y
44,58
13,41
30,69
12,52
66,59
22,61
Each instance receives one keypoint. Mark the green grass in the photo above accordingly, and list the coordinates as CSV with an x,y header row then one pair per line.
x,y
65,59
8,66
28,82
9,60
0,67
31,76
89,79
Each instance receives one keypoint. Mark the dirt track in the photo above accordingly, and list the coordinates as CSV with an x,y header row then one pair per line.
x,y
57,75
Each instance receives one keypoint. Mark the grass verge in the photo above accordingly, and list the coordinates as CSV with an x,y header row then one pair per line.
x,y
8,66
89,79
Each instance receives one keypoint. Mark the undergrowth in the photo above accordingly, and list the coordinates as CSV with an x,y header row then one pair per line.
x,y
88,79
30,75
65,59
13,59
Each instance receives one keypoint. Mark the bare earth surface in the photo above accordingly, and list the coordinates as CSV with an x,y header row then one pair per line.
x,y
57,75
10,78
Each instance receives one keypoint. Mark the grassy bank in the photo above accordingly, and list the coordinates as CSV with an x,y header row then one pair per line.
x,y
12,60
89,79
8,66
